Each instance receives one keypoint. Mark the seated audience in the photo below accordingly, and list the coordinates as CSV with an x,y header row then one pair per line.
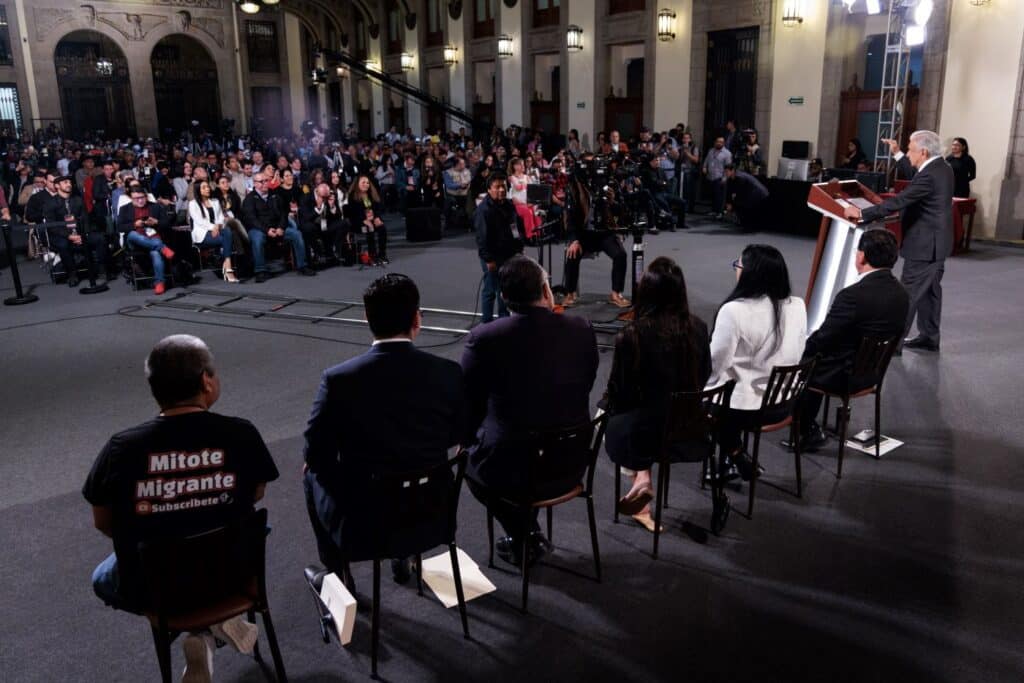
x,y
664,350
208,226
142,222
364,211
77,236
531,371
321,222
392,409
264,220
517,182
230,206
760,325
876,307
132,503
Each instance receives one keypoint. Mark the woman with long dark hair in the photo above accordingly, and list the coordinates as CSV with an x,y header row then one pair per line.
x,y
854,154
363,211
760,325
664,350
964,168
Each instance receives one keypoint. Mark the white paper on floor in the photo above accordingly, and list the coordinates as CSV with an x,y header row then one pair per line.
x,y
888,445
437,574
341,605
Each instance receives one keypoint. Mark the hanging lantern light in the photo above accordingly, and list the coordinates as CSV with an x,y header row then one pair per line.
x,y
574,38
451,55
504,46
666,25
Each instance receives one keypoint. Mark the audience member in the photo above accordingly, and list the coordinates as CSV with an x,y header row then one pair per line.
x,y
531,371
364,212
964,168
854,154
264,220
142,223
714,170
664,350
321,223
77,236
184,472
875,307
759,326
208,227
392,409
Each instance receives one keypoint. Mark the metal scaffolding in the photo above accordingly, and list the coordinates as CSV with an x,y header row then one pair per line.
x,y
892,103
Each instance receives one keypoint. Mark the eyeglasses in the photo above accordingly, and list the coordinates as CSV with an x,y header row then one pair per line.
x,y
737,264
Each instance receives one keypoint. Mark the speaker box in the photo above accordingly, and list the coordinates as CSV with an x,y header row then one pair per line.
x,y
423,224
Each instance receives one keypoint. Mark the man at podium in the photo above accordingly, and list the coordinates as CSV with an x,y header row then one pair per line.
x,y
926,218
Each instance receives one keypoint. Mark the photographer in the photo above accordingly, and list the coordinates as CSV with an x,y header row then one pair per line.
x,y
659,193
749,159
587,233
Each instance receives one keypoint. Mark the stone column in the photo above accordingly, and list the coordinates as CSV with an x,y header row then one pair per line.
x,y
509,99
457,75
580,74
672,68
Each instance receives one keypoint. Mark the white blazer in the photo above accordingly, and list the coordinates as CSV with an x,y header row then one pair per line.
x,y
743,345
200,219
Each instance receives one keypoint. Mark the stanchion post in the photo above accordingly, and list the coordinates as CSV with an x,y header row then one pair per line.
x,y
19,298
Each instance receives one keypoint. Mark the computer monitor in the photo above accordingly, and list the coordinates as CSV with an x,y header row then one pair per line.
x,y
796,149
793,169
871,180
839,174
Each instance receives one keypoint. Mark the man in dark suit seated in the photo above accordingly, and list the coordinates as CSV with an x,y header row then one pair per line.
x,y
263,218
531,371
875,306
321,223
926,218
392,409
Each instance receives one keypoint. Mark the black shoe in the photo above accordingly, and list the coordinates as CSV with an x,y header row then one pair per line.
x,y
401,570
745,466
508,549
653,231
72,280
315,576
719,513
811,442
383,260
261,277
921,342
307,271
540,544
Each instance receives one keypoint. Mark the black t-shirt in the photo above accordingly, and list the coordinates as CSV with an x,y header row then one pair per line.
x,y
177,476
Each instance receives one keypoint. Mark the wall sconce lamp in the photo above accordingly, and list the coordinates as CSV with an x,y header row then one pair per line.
x,y
666,25
406,61
451,55
341,71
574,38
504,46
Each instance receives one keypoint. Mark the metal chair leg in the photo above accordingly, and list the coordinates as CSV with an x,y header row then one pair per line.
x,y
794,437
551,536
824,417
659,493
457,575
375,619
490,539
524,558
419,574
668,480
163,653
275,650
753,472
251,615
844,420
618,494
593,537
878,422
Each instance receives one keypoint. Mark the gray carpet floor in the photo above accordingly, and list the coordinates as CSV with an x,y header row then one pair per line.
x,y
907,569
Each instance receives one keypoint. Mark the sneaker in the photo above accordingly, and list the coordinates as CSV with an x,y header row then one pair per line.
x,y
198,651
261,277
239,633
307,271
168,253
159,288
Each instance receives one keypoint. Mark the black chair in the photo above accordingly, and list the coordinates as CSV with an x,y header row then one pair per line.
x,y
195,582
412,512
555,456
782,394
869,367
691,423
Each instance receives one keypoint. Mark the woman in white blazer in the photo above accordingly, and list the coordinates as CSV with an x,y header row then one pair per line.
x,y
759,326
208,229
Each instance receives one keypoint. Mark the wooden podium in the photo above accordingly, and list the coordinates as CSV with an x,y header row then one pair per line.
x,y
834,264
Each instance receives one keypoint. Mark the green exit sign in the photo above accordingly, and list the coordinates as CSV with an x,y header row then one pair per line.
x,y
796,100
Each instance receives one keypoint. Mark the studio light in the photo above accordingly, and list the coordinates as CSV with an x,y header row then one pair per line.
x,y
874,6
666,25
451,55
406,61
249,6
504,46
923,12
915,35
849,5
271,2
792,13
574,38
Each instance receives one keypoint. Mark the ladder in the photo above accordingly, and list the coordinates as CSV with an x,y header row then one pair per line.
x,y
893,92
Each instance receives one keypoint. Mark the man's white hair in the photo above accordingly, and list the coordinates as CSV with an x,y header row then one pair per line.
x,y
928,140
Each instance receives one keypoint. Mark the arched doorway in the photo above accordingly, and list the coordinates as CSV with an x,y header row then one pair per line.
x,y
185,86
95,93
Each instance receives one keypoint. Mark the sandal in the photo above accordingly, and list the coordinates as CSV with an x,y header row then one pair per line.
x,y
646,521
631,506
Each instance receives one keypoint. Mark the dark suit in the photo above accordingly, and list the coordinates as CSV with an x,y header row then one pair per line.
x,y
321,225
876,307
926,218
529,371
392,409
57,210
